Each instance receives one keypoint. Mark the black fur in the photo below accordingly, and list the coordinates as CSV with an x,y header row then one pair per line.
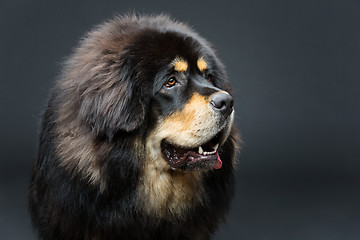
x,y
114,106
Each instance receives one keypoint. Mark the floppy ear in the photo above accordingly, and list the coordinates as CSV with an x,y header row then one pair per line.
x,y
113,107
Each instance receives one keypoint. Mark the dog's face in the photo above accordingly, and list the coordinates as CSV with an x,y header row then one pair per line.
x,y
190,105
194,115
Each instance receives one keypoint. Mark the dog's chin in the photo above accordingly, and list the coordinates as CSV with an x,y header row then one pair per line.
x,y
203,157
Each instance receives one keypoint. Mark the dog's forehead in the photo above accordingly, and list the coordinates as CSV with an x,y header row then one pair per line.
x,y
169,47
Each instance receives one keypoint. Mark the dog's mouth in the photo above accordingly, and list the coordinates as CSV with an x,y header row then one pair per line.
x,y
202,157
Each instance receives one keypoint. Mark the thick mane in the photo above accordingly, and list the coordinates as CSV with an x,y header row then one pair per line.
x,y
100,171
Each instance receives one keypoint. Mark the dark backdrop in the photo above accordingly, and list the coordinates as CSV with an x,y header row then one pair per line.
x,y
295,67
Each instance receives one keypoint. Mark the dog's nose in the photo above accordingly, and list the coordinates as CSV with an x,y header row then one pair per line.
x,y
223,103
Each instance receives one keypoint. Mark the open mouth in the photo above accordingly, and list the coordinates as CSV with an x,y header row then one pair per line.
x,y
203,157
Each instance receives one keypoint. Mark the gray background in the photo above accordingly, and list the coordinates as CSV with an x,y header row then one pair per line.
x,y
295,67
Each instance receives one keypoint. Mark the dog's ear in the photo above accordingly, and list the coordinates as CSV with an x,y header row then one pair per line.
x,y
113,106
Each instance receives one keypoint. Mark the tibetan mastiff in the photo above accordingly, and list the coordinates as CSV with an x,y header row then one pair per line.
x,y
137,140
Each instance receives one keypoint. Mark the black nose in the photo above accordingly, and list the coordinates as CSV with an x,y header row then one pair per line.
x,y
222,102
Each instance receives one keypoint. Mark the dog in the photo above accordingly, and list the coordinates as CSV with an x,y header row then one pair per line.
x,y
138,138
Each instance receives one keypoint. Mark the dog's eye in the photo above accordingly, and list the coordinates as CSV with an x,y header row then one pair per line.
x,y
209,77
171,82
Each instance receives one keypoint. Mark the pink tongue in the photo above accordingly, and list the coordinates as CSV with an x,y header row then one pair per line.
x,y
218,164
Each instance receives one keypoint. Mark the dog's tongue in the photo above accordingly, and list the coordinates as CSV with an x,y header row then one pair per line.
x,y
218,164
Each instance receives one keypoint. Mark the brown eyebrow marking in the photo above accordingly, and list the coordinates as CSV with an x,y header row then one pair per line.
x,y
201,64
180,65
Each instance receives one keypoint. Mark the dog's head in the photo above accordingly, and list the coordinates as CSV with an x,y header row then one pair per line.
x,y
165,79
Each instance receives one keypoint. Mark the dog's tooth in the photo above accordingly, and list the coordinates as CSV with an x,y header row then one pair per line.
x,y
201,151
173,168
216,147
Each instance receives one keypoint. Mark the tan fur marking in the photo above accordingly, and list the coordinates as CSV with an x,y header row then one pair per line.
x,y
201,64
191,126
180,65
171,192
165,192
